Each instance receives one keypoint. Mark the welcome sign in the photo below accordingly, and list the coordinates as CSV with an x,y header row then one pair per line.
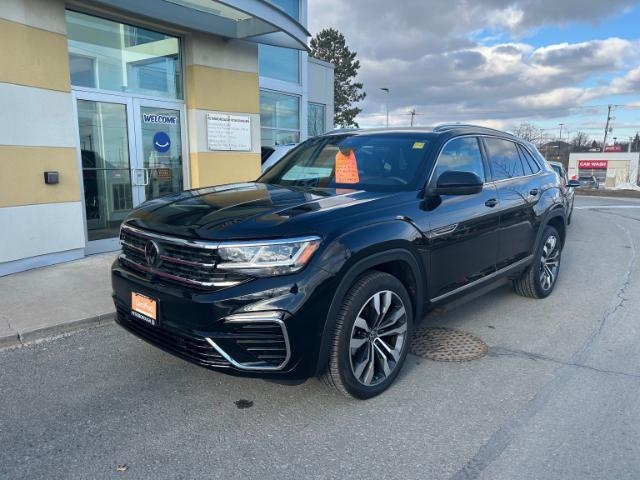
x,y
160,119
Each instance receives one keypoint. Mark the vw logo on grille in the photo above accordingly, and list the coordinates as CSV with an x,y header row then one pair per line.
x,y
152,253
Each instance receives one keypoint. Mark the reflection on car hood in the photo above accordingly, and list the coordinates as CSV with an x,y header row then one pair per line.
x,y
251,210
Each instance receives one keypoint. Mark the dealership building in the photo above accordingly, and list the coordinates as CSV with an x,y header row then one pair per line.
x,y
611,169
108,103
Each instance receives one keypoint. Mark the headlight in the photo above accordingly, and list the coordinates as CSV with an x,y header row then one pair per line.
x,y
275,257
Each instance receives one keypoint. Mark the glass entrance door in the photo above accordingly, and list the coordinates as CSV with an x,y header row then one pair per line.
x,y
131,150
160,148
106,166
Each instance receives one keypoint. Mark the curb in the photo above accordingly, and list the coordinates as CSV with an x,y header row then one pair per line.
x,y
43,333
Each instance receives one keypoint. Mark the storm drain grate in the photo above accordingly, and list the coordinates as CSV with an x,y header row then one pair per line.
x,y
446,345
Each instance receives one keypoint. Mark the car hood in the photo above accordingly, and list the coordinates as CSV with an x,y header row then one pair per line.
x,y
252,210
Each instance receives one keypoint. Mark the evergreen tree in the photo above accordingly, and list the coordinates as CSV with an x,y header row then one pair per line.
x,y
330,45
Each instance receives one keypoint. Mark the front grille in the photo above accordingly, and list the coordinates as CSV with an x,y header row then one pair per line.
x,y
180,261
190,347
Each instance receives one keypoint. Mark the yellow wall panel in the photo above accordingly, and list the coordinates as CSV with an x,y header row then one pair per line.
x,y
217,168
33,57
222,90
22,175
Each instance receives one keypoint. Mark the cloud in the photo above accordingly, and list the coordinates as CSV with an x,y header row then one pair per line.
x,y
592,56
424,50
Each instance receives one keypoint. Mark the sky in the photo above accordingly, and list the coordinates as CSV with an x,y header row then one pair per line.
x,y
494,62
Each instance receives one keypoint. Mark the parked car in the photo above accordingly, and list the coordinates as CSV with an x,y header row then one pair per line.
x,y
589,182
324,265
274,155
568,189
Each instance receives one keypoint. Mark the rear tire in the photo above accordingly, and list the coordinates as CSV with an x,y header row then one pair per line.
x,y
371,336
539,280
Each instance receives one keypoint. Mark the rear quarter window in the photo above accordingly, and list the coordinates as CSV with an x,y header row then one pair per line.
x,y
528,162
504,158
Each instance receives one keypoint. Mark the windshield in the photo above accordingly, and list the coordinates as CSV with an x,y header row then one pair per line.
x,y
388,162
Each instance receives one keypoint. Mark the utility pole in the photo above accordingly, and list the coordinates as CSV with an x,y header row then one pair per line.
x,y
413,114
385,89
606,128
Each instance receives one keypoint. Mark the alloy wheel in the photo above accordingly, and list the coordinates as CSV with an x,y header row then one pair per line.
x,y
549,262
378,337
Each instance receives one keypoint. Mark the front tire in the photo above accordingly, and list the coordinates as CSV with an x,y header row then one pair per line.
x,y
539,280
371,336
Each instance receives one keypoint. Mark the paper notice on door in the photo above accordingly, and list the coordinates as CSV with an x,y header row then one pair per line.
x,y
347,168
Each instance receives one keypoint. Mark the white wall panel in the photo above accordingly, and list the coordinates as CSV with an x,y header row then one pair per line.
x,y
32,230
43,14
36,117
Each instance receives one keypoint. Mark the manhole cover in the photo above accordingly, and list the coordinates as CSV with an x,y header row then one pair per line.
x,y
446,345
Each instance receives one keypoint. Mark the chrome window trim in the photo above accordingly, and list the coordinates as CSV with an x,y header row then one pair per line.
x,y
485,135
517,143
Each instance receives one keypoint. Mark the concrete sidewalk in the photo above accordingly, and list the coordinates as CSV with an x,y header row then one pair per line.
x,y
54,300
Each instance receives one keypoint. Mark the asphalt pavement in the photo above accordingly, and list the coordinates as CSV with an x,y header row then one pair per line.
x,y
556,397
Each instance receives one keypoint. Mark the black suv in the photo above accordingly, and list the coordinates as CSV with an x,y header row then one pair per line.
x,y
324,264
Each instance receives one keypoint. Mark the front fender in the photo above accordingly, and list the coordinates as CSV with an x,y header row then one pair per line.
x,y
363,249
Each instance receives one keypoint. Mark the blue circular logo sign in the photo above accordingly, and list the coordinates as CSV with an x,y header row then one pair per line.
x,y
161,142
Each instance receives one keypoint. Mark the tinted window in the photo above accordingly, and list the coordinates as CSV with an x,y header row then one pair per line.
x,y
504,158
461,154
528,161
389,162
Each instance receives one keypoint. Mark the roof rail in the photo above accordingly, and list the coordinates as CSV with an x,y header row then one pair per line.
x,y
450,126
340,130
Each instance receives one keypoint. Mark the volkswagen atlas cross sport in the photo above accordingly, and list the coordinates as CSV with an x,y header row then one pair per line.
x,y
324,264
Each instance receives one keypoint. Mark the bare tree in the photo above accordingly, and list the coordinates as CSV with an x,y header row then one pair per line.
x,y
529,132
580,142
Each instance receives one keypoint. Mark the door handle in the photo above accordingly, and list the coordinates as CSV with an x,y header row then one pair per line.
x,y
492,202
534,192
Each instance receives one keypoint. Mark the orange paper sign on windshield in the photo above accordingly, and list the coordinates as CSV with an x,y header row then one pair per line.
x,y
346,168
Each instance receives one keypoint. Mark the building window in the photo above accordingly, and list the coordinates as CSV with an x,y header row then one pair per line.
x,y
279,63
279,118
291,7
113,56
316,124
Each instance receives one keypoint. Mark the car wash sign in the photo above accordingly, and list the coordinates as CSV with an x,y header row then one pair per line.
x,y
593,164
158,119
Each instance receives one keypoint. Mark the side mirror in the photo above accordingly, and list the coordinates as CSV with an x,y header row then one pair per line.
x,y
573,184
453,182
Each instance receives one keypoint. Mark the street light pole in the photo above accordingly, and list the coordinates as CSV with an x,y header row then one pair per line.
x,y
561,125
385,89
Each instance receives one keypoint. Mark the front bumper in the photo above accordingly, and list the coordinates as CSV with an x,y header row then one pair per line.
x,y
270,327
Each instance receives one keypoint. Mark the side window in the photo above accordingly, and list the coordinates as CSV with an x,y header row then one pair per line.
x,y
525,164
528,159
461,154
504,158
